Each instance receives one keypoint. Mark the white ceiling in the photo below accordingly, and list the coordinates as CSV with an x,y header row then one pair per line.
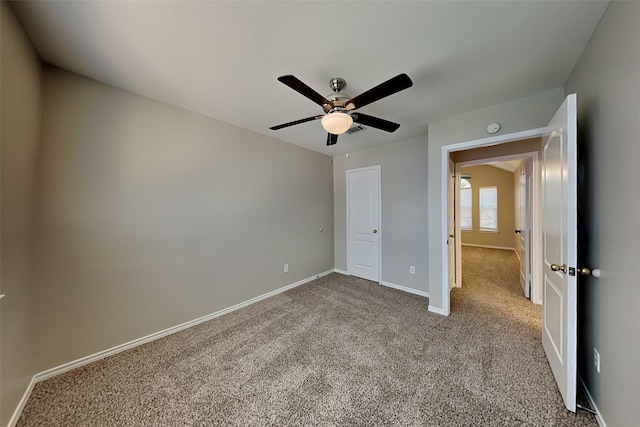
x,y
222,59
509,165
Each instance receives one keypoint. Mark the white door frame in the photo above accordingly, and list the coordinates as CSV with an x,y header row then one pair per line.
x,y
534,204
380,228
444,180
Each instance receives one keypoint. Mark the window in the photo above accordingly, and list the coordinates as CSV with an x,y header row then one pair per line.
x,y
489,208
466,216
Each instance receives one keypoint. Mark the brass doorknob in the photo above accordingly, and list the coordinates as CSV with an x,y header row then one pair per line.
x,y
585,271
556,267
374,231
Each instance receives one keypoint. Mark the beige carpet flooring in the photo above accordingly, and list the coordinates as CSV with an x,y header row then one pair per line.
x,y
339,351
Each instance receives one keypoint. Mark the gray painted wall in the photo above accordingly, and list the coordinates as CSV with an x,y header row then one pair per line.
x,y
606,81
514,116
404,205
149,216
20,133
137,198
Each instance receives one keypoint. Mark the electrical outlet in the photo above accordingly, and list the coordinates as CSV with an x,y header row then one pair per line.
x,y
286,268
596,360
412,269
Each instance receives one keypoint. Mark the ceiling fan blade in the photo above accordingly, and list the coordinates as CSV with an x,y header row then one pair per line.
x,y
332,139
300,87
391,86
297,122
375,122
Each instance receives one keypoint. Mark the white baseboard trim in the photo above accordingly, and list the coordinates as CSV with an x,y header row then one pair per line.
x,y
436,310
392,285
599,418
405,289
49,373
489,246
23,402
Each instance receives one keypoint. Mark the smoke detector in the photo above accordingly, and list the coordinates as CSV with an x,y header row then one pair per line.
x,y
493,127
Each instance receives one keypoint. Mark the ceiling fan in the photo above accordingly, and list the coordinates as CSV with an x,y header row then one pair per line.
x,y
339,107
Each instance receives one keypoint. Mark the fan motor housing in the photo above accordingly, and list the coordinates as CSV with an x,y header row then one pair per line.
x,y
338,98
337,102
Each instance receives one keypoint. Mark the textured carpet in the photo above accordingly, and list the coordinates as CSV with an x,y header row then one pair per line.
x,y
336,351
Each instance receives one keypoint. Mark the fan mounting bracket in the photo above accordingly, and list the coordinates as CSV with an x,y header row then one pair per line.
x,y
337,84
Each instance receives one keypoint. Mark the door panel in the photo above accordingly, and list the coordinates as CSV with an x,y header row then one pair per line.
x,y
363,190
553,307
522,253
364,254
559,239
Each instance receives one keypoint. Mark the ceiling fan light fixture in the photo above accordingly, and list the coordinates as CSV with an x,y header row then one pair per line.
x,y
337,122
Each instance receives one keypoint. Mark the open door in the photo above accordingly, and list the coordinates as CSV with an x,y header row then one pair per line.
x,y
523,193
559,236
452,241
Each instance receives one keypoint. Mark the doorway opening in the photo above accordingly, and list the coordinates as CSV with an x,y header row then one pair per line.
x,y
517,145
494,207
554,243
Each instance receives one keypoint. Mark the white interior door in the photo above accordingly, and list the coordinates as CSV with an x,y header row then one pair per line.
x,y
523,225
454,228
363,195
559,230
529,234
